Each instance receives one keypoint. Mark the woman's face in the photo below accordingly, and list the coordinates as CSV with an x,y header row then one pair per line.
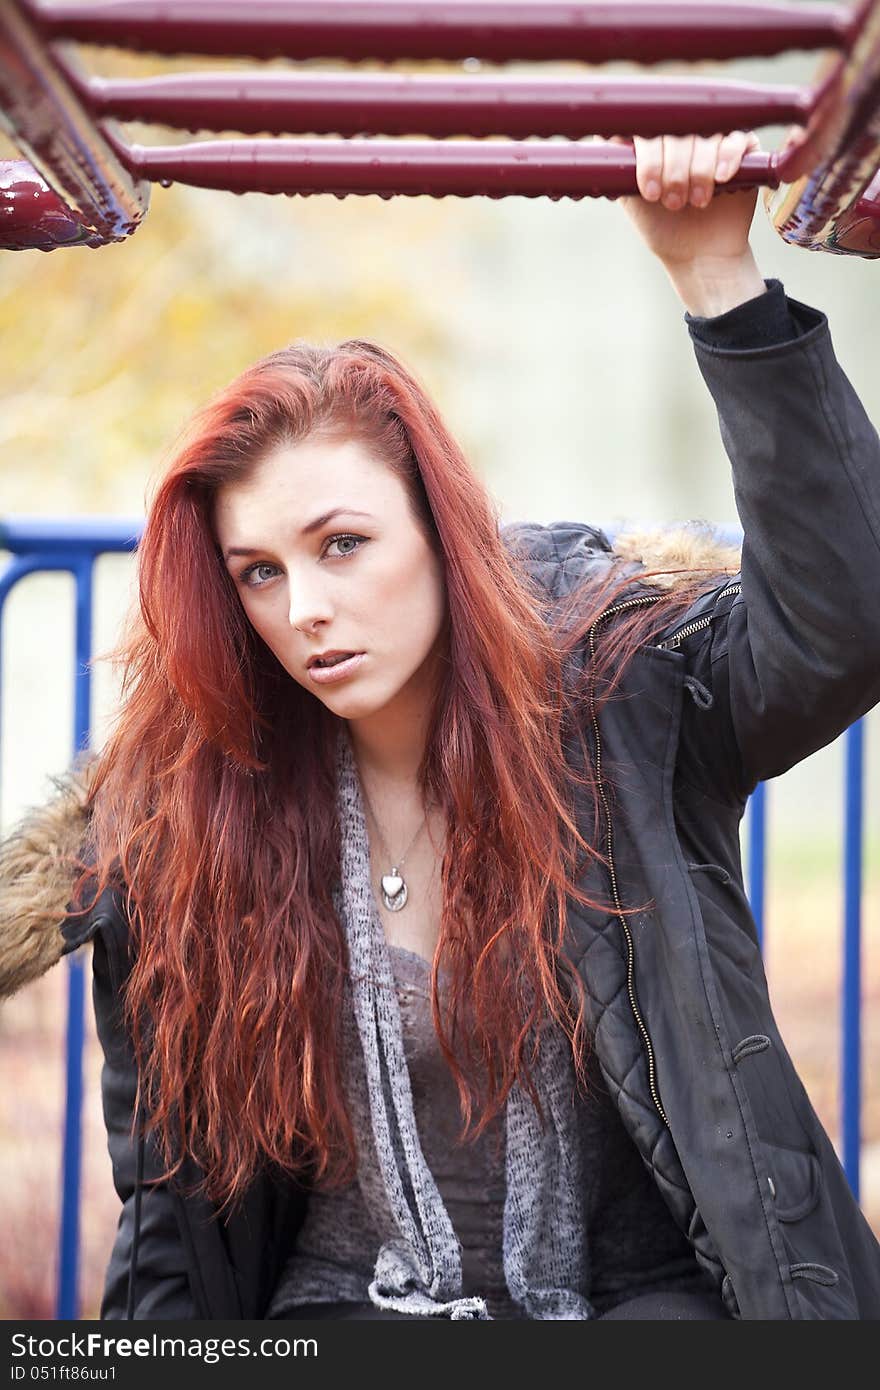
x,y
364,580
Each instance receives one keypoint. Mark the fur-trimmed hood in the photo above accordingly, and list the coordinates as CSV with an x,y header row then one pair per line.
x,y
36,879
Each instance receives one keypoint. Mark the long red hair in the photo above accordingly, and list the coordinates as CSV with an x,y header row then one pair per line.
x,y
213,799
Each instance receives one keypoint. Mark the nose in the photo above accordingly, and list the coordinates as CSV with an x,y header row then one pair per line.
x,y
308,603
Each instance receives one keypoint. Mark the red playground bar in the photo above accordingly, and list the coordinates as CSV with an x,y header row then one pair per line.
x,y
81,183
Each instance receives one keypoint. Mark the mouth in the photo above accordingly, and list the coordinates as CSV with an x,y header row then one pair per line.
x,y
336,668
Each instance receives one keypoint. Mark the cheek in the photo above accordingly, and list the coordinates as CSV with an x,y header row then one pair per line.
x,y
423,600
395,592
269,622
263,618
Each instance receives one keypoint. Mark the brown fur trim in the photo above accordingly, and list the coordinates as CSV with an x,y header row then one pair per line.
x,y
37,877
683,549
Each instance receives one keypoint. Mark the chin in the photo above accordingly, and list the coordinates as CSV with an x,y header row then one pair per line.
x,y
352,704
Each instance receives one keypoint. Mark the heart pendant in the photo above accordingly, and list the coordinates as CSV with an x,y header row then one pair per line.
x,y
393,892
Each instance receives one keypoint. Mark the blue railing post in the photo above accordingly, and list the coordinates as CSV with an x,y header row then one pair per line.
x,y
758,856
851,1080
67,1300
68,1273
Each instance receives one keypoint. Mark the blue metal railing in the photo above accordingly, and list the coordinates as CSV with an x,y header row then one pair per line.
x,y
39,545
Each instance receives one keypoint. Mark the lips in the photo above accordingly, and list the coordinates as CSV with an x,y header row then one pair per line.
x,y
337,670
329,659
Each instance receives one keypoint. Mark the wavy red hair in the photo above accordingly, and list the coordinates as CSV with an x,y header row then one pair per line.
x,y
213,801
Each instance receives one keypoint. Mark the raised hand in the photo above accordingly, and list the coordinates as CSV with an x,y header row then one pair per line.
x,y
699,231
682,212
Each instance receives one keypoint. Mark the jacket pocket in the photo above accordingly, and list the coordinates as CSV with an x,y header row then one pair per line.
x,y
795,1181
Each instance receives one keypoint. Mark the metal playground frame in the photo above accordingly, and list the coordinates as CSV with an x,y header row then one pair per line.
x,y
82,183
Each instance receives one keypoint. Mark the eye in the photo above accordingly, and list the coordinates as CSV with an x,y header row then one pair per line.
x,y
245,576
345,537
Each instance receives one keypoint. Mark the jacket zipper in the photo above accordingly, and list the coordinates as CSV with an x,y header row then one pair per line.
x,y
671,642
630,950
698,623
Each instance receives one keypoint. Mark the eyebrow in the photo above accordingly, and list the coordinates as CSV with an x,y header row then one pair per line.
x,y
311,526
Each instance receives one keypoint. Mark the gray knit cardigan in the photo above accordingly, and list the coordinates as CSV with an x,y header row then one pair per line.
x,y
418,1268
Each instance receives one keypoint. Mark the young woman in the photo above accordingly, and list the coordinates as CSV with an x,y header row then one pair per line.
x,y
423,968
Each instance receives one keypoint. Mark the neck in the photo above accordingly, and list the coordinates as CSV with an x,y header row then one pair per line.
x,y
390,744
390,751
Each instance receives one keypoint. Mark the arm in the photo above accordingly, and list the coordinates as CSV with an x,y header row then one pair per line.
x,y
794,658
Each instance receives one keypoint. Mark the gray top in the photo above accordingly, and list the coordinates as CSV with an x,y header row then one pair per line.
x,y
635,1245
558,1223
337,1230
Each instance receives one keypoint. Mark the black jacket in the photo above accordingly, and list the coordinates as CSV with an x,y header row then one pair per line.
x,y
764,669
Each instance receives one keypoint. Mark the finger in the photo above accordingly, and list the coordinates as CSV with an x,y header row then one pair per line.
x,y
649,166
730,153
677,155
702,177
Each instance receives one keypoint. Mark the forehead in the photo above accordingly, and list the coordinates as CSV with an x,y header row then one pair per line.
x,y
297,482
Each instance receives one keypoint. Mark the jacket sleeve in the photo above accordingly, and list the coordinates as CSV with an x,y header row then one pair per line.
x,y
793,657
162,1286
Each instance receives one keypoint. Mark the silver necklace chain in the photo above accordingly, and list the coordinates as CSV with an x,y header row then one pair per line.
x,y
393,884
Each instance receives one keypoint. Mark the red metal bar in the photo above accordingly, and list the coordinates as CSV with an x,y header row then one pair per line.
x,y
498,32
32,216
350,103
49,124
391,168
828,177
857,231
49,105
